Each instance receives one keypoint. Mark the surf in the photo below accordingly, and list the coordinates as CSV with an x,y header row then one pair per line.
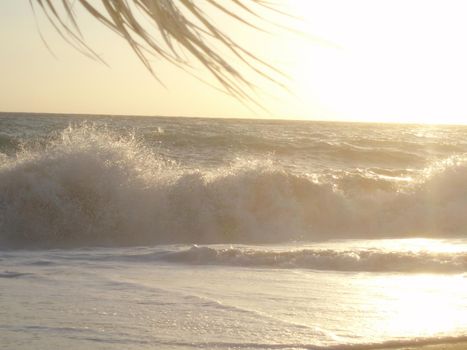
x,y
88,185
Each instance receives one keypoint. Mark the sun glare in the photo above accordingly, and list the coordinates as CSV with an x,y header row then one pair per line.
x,y
413,307
384,64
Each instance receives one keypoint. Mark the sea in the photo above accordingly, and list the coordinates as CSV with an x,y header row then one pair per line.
x,y
126,232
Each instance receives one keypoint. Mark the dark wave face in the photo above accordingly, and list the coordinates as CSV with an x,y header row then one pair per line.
x,y
368,260
65,182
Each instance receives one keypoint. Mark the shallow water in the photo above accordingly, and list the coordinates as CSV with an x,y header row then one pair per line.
x,y
133,298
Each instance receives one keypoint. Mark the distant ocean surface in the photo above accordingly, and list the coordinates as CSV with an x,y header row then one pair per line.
x,y
190,233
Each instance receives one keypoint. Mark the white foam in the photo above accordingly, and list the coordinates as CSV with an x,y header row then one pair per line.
x,y
90,186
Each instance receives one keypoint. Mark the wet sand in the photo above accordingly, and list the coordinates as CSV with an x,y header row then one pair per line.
x,y
453,346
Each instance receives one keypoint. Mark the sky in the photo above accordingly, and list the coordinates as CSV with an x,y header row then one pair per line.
x,y
352,60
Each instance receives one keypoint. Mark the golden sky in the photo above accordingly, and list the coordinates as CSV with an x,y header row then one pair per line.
x,y
362,60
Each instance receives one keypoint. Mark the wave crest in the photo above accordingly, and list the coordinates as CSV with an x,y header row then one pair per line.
x,y
89,186
322,259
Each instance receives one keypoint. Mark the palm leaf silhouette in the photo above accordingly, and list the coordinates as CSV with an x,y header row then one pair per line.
x,y
175,28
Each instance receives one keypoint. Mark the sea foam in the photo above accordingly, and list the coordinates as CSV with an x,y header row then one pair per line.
x,y
365,260
90,186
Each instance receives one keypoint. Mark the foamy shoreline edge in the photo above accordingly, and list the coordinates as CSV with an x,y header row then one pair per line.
x,y
445,346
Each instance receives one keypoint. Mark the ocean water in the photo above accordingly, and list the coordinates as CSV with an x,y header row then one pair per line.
x,y
183,233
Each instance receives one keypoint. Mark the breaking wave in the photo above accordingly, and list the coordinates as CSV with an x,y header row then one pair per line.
x,y
371,260
90,186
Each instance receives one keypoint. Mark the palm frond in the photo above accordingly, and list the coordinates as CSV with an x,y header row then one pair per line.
x,y
178,26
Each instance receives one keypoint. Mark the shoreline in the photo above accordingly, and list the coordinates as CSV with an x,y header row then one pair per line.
x,y
442,346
